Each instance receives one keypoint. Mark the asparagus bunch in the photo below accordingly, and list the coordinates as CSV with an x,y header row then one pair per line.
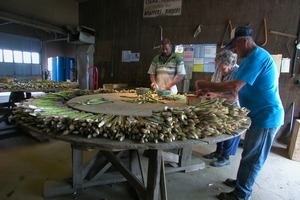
x,y
204,119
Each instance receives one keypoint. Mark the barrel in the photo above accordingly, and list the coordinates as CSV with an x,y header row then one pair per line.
x,y
69,65
58,69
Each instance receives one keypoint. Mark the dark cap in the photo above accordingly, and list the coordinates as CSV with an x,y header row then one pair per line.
x,y
237,32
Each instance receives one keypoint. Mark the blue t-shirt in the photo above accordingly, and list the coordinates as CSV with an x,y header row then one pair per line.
x,y
260,94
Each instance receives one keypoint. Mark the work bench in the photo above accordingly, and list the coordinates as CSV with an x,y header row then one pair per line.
x,y
125,156
163,158
7,107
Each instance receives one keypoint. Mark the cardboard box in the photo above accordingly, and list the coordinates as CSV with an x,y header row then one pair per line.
x,y
294,147
108,86
6,80
115,86
193,99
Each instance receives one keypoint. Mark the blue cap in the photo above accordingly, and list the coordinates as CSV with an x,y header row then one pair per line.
x,y
237,32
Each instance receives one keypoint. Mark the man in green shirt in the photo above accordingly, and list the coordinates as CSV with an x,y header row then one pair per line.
x,y
166,69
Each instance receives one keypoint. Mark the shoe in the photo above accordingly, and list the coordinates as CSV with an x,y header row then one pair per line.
x,y
213,155
231,196
230,182
222,161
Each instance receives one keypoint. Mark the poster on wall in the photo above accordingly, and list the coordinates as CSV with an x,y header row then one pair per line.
x,y
155,8
128,56
197,57
188,58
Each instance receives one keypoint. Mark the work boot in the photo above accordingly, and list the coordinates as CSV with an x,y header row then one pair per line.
x,y
230,182
231,196
213,155
222,161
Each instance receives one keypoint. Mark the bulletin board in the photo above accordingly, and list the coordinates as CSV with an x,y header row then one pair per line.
x,y
197,57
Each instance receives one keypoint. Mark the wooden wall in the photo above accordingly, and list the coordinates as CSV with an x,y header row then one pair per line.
x,y
120,25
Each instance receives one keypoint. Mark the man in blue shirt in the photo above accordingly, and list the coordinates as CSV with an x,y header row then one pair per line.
x,y
256,84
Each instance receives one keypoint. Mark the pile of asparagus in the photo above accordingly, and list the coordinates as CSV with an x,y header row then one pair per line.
x,y
37,85
50,115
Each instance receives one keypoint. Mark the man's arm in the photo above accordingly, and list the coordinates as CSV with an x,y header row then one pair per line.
x,y
176,80
153,80
223,95
232,86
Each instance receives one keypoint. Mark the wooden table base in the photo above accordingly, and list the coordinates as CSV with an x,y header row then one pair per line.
x,y
96,172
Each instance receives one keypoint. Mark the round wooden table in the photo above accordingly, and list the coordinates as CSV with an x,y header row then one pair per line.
x,y
111,150
85,176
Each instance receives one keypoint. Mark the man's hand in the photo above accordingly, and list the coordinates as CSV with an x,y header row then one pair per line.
x,y
211,95
168,87
153,85
202,92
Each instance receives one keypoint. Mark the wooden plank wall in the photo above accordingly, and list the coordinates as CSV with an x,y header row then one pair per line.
x,y
120,26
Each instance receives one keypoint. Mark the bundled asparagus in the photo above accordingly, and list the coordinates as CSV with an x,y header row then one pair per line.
x,y
37,85
208,118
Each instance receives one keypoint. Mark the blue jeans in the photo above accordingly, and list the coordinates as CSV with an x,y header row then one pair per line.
x,y
256,148
228,147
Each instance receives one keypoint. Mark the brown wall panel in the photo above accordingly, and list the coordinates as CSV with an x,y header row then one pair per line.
x,y
122,23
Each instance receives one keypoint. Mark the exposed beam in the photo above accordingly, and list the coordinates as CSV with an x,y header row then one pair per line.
x,y
32,21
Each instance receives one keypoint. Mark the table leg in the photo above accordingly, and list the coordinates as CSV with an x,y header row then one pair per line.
x,y
180,161
131,178
156,181
77,168
163,185
135,164
185,156
154,174
57,188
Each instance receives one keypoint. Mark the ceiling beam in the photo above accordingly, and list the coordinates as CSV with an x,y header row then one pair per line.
x,y
33,21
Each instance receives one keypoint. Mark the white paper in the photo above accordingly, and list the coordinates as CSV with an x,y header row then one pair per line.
x,y
162,8
277,59
126,56
285,65
135,57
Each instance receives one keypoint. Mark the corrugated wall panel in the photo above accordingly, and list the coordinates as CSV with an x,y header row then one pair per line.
x,y
121,23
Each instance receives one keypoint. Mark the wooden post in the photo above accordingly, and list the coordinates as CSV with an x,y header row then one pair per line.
x,y
294,148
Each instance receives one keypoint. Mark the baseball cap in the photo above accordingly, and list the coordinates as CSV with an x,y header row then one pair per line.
x,y
237,32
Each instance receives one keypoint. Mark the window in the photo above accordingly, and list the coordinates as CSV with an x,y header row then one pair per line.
x,y
27,57
18,50
18,57
35,58
8,56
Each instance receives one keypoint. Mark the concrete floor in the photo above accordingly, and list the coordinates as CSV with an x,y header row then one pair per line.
x,y
26,164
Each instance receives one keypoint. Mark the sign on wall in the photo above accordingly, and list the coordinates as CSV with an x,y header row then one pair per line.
x,y
155,8
197,57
